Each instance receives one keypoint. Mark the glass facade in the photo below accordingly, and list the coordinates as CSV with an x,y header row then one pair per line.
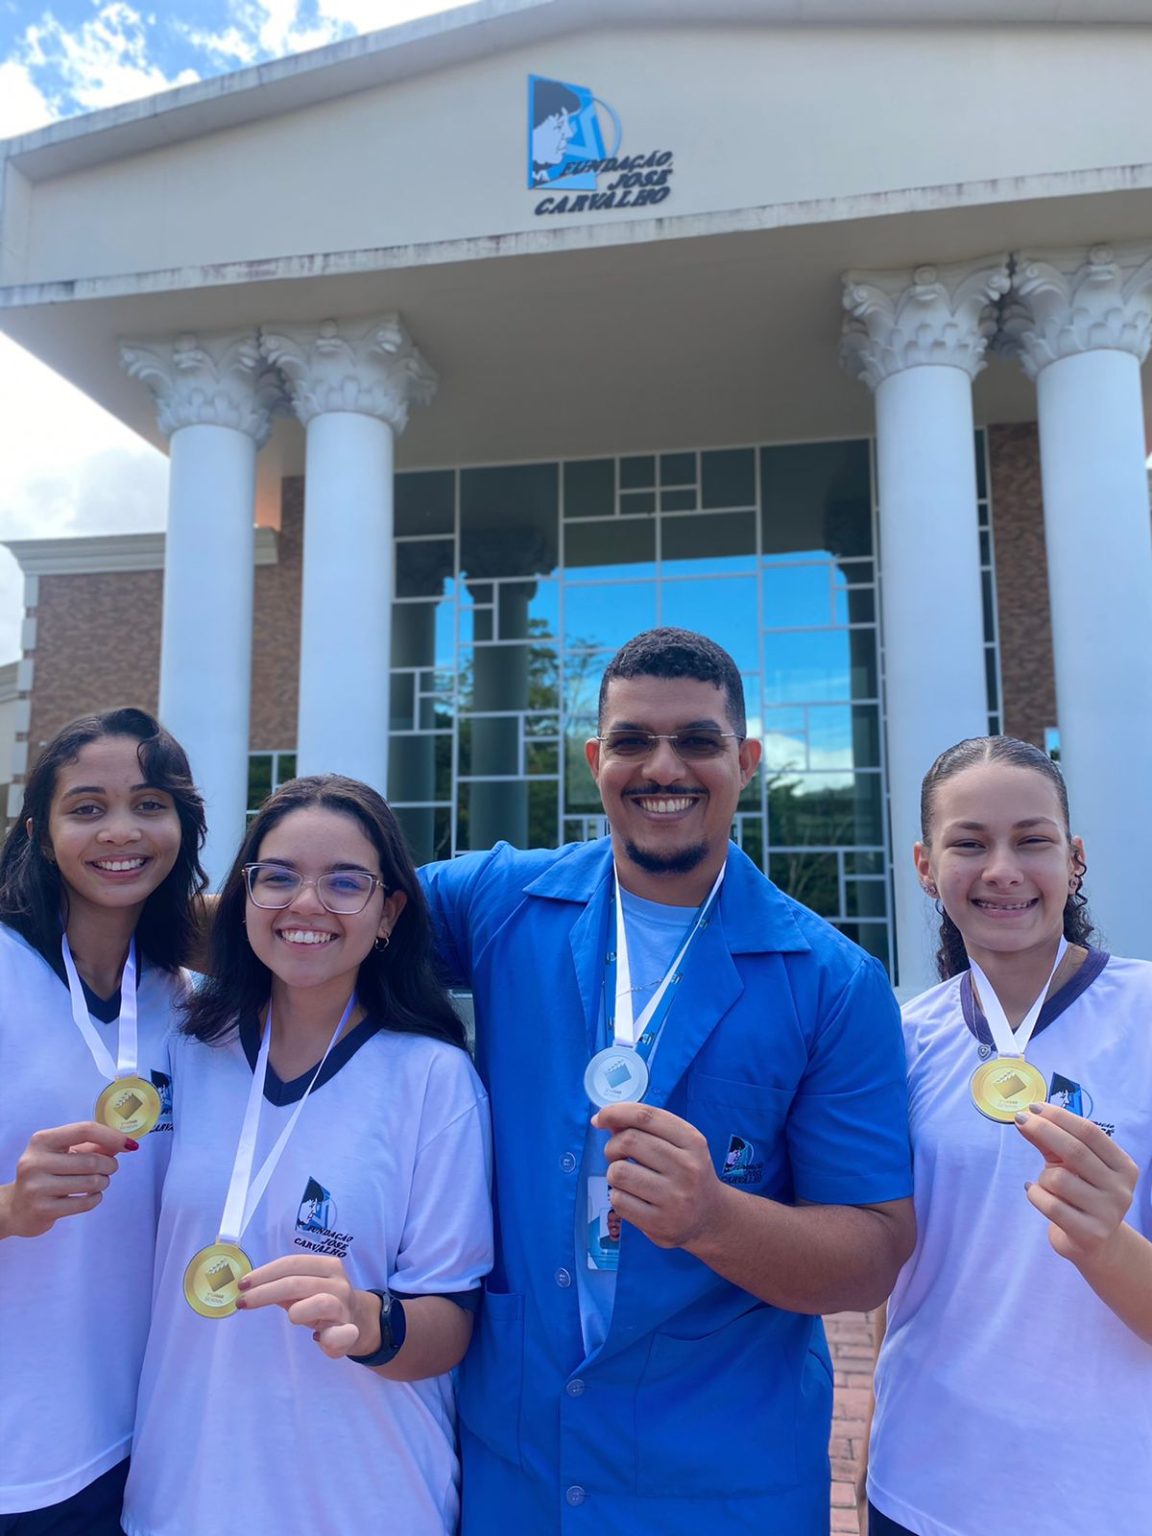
x,y
515,584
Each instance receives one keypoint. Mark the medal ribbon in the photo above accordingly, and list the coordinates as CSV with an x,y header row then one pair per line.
x,y
1009,1041
627,1029
244,1191
126,1049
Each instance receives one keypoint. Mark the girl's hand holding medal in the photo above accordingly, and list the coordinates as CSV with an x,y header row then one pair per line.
x,y
315,1292
63,1171
1086,1186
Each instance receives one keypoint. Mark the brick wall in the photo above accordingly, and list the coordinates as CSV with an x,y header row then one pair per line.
x,y
276,631
1021,582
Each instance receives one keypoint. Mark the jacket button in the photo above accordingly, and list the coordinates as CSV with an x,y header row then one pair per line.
x,y
576,1494
575,1387
563,1279
568,1162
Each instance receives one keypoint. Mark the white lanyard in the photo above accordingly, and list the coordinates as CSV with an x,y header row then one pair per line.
x,y
244,1191
627,1028
126,1048
1009,1041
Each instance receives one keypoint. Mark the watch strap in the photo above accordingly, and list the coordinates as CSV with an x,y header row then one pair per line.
x,y
393,1327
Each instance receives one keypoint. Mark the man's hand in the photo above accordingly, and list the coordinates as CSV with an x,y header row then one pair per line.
x,y
63,1171
660,1173
315,1291
1085,1187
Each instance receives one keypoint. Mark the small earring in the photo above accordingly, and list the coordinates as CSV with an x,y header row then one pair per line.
x,y
930,891
382,943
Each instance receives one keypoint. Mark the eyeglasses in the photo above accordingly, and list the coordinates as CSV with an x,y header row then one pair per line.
x,y
344,892
690,746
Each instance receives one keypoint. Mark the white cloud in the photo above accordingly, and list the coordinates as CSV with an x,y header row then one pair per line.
x,y
101,63
272,29
22,105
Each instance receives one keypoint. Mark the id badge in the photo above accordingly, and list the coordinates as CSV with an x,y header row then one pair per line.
x,y
603,1227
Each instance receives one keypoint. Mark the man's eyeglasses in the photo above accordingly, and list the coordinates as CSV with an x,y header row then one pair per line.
x,y
344,892
690,746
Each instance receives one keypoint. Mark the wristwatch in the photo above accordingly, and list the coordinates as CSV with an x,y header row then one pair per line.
x,y
393,1326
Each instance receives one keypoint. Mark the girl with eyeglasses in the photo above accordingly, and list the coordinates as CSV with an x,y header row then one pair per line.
x,y
1014,1384
97,880
326,1222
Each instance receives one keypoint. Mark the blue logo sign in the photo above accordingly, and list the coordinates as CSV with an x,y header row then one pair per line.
x,y
574,140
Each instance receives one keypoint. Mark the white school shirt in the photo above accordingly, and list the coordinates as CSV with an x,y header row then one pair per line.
x,y
74,1301
244,1424
1008,1396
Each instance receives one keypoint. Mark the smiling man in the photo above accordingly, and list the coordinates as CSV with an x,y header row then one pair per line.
x,y
700,1136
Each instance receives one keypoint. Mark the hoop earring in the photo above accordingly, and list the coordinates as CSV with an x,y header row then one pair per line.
x,y
382,944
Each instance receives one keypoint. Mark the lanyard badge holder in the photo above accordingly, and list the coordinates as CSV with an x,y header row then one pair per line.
x,y
620,1072
1006,1085
213,1274
130,1103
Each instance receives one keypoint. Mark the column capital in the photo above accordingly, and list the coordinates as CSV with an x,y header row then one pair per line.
x,y
216,379
929,315
1070,301
368,366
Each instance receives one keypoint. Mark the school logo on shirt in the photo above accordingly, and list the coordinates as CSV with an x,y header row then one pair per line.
x,y
1073,1096
316,1222
163,1086
740,1163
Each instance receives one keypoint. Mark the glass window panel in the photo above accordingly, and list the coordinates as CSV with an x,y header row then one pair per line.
x,y
785,737
819,666
435,714
854,605
285,767
625,547
606,616
542,757
402,701
582,674
841,737
580,793
728,478
638,472
723,541
677,501
855,573
424,567
427,831
528,609
989,606
832,808
797,596
724,610
817,496
856,863
751,839
677,469
508,677
752,705
809,878
483,625
489,746
590,488
866,898
872,937
985,547
425,501
259,779
990,671
981,466
420,767
542,725
488,812
543,813
509,520
482,593
422,634
633,503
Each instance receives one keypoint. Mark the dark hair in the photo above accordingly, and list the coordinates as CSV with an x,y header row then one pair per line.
x,y
678,653
951,956
397,984
33,898
550,97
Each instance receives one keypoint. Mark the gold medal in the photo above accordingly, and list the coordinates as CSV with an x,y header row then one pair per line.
x,y
1004,1086
210,1281
130,1105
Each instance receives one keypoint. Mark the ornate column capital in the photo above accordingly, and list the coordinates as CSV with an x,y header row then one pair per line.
x,y
216,379
369,366
1065,302
938,316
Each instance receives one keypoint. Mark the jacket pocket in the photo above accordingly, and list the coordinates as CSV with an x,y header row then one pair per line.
x,y
744,1126
492,1374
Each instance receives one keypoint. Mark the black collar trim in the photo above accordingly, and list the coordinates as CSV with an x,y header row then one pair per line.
x,y
277,1092
1057,1004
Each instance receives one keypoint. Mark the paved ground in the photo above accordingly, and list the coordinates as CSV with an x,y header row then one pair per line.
x,y
850,1339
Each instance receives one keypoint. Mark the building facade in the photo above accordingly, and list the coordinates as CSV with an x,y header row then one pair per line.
x,y
484,343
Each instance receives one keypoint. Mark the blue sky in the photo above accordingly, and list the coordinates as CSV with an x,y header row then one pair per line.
x,y
66,467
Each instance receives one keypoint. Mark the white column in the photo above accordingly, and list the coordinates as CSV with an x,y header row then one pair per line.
x,y
1081,324
918,339
213,398
352,383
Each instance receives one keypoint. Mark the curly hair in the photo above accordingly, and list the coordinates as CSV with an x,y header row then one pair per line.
x,y
951,955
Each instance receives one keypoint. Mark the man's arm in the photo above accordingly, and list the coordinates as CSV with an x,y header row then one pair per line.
x,y
805,1258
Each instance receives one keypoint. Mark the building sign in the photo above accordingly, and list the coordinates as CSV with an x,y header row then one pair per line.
x,y
574,142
